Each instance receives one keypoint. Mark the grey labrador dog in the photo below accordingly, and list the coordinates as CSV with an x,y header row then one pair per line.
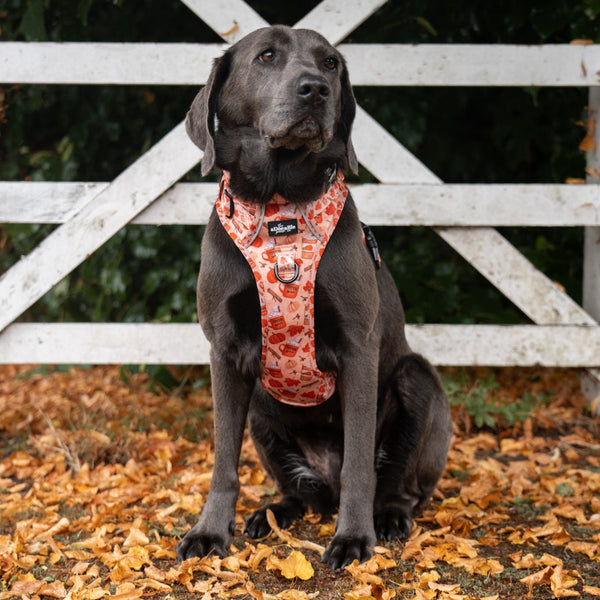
x,y
276,113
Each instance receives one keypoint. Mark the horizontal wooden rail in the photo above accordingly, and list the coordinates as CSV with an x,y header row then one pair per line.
x,y
369,64
180,343
546,205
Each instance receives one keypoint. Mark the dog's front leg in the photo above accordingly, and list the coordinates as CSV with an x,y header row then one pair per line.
x,y
355,534
231,397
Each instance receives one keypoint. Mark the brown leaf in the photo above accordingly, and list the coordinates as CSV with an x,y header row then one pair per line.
x,y
537,578
593,172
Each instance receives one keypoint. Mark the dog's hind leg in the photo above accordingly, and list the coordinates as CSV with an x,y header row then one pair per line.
x,y
299,484
414,432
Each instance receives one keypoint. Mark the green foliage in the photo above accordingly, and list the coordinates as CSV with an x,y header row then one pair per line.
x,y
477,399
465,135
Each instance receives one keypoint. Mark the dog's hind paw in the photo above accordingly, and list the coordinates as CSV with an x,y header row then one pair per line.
x,y
392,523
257,525
285,512
197,544
343,551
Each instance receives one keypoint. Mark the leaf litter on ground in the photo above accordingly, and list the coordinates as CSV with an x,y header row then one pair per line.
x,y
100,477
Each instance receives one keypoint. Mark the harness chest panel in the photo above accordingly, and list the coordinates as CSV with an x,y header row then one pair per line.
x,y
283,243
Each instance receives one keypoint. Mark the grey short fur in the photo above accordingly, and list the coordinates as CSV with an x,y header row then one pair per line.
x,y
277,113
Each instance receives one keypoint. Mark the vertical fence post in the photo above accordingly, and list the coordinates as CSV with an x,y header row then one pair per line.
x,y
590,380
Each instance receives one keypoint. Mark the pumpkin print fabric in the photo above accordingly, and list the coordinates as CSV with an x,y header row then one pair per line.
x,y
283,244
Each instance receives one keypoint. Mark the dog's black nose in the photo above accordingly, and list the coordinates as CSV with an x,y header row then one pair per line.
x,y
312,89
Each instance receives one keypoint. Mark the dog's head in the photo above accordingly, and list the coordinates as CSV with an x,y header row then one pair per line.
x,y
290,87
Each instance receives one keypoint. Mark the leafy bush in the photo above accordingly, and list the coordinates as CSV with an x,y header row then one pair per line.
x,y
477,399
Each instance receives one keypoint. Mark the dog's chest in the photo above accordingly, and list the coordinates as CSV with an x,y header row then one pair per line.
x,y
283,244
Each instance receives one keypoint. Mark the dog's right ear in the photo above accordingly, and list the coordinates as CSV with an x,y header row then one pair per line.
x,y
348,112
200,119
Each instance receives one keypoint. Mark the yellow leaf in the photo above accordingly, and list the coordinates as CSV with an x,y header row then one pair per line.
x,y
231,563
251,589
327,530
591,550
591,590
262,552
120,572
137,557
78,554
136,537
294,595
294,566
561,581
527,562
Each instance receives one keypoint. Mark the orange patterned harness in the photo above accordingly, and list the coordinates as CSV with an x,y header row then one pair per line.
x,y
283,244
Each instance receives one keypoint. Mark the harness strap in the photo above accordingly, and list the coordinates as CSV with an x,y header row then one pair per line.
x,y
283,243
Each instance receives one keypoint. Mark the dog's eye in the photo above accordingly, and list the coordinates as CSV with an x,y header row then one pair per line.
x,y
267,56
331,63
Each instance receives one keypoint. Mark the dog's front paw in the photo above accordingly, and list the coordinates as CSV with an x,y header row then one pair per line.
x,y
343,551
392,523
199,544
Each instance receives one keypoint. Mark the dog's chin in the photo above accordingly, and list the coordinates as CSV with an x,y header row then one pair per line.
x,y
307,133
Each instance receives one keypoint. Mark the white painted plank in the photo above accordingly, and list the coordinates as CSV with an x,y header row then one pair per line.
x,y
70,244
369,64
473,64
231,19
107,63
528,205
103,343
44,201
478,205
507,346
335,19
147,343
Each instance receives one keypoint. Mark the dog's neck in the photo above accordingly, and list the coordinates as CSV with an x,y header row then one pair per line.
x,y
258,171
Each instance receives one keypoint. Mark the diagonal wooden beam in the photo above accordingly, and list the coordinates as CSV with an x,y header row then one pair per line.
x,y
489,252
70,244
230,19
336,19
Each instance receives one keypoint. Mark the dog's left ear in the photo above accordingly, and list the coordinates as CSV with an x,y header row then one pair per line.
x,y
348,113
200,119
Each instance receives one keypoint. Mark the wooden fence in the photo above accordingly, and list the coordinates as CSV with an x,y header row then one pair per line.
x,y
89,214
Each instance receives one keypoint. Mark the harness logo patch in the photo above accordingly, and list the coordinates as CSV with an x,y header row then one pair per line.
x,y
283,227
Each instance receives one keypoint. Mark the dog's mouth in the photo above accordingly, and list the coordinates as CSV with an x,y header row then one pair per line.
x,y
306,132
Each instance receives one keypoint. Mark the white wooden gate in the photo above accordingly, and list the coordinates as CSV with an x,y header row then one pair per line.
x,y
564,333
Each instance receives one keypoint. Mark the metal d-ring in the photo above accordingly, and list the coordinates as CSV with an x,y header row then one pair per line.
x,y
294,276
